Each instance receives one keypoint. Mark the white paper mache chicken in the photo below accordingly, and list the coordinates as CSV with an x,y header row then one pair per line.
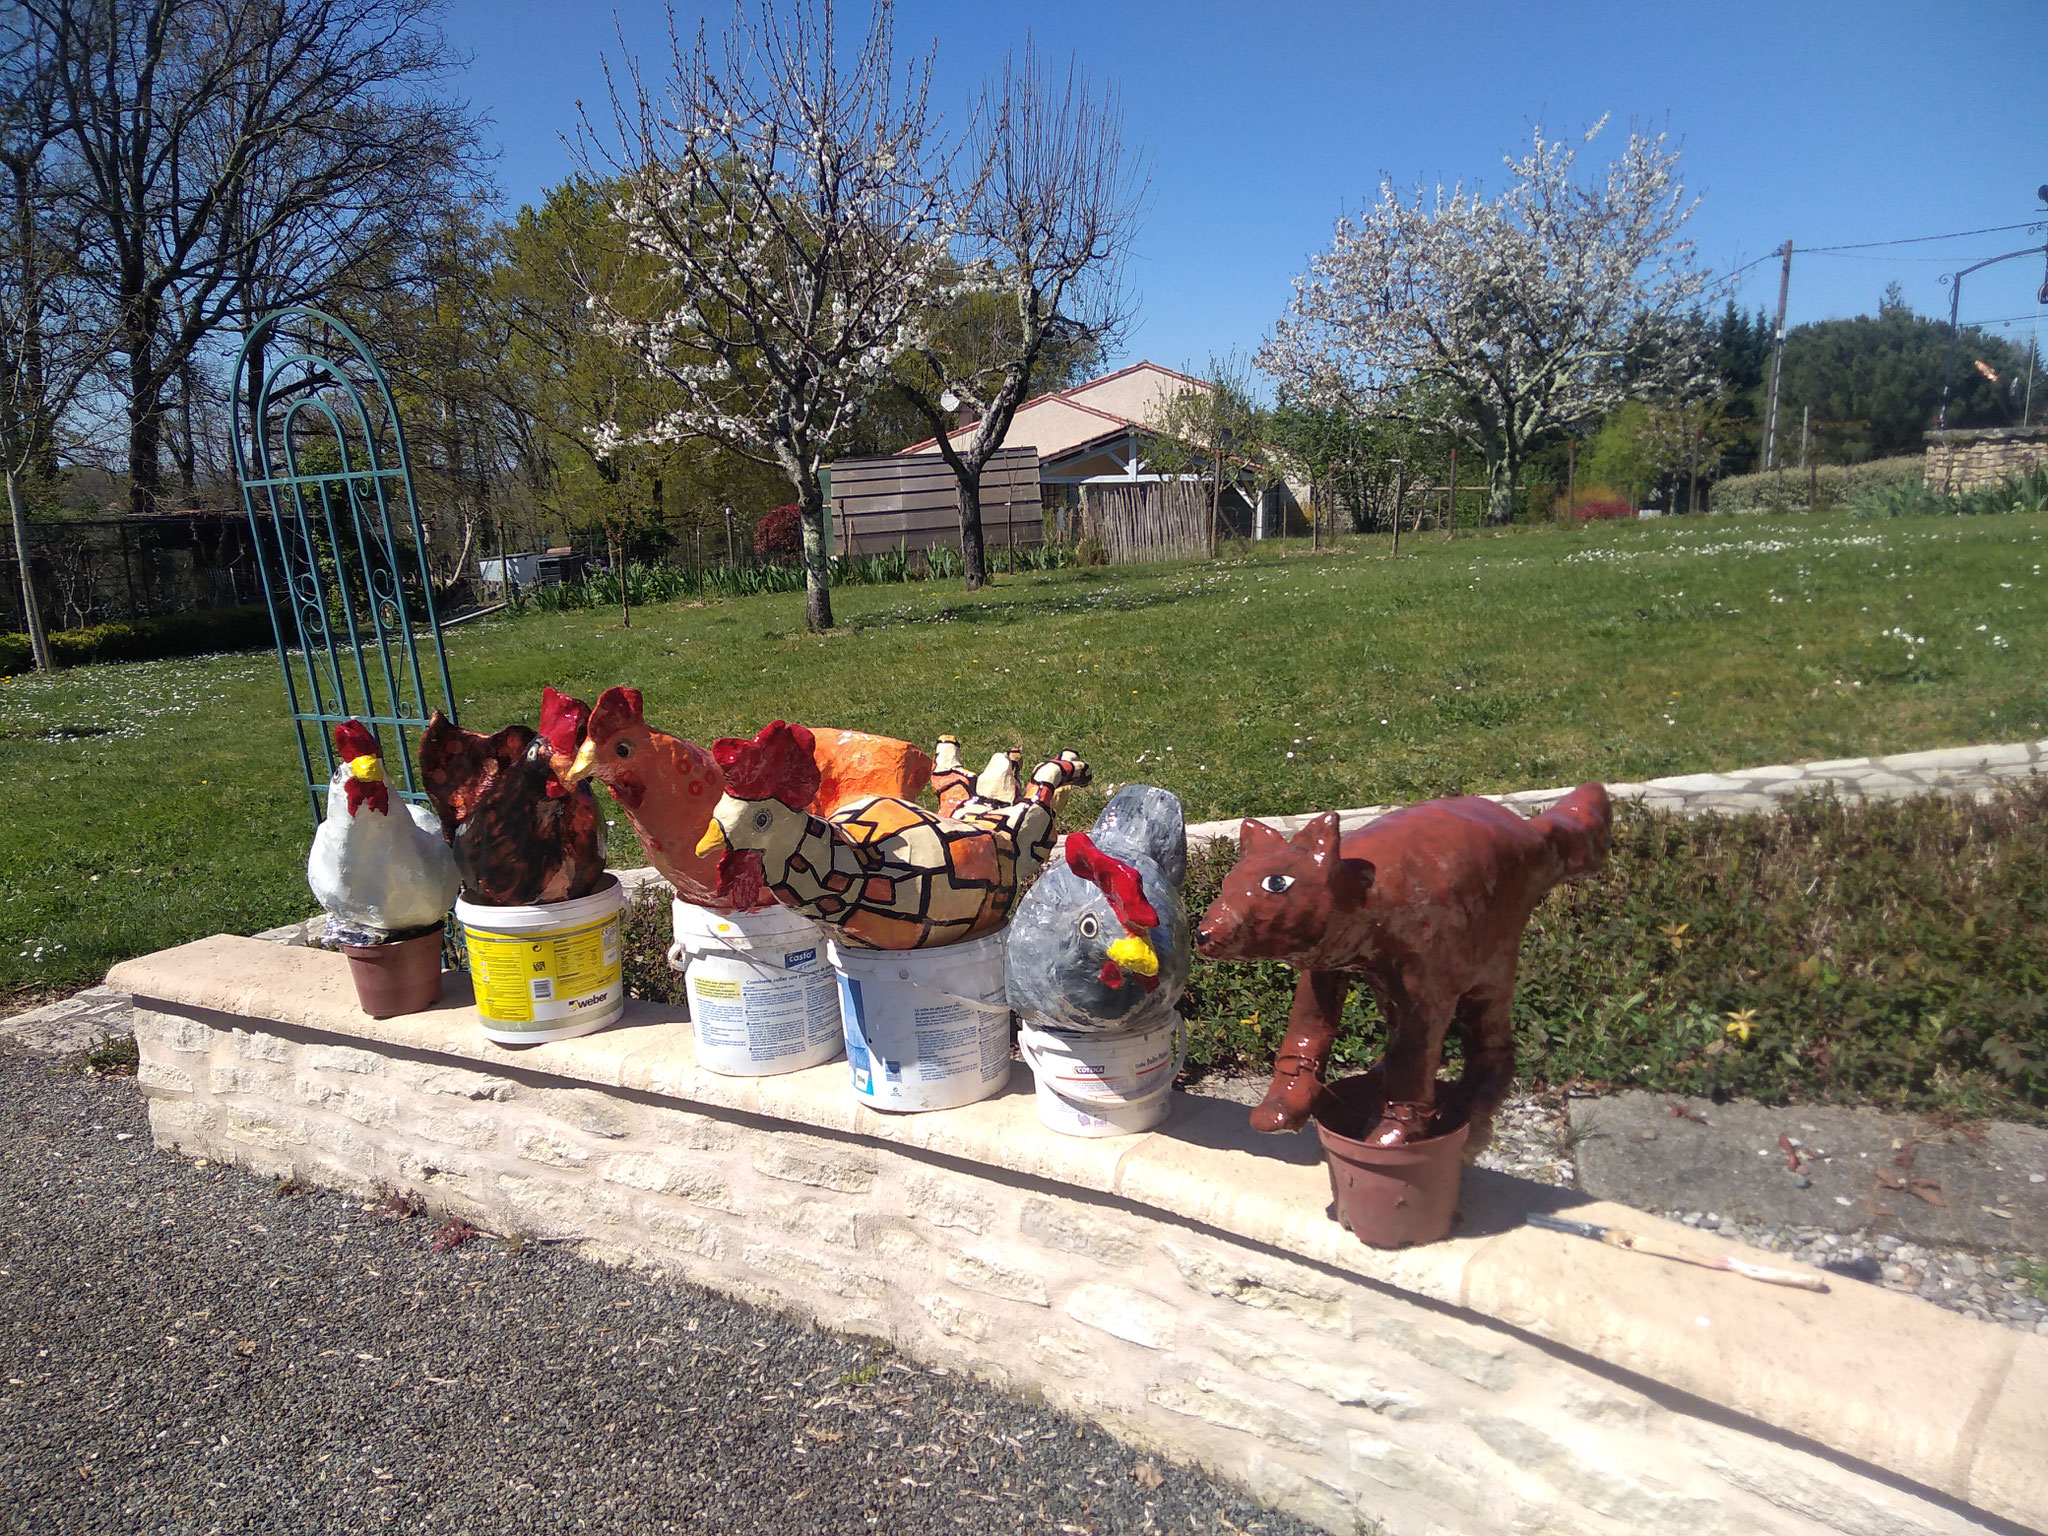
x,y
379,875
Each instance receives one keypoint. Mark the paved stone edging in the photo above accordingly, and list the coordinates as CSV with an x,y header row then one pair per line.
x,y
1954,770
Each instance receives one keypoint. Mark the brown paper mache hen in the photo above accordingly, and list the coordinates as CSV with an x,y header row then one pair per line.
x,y
1426,905
521,834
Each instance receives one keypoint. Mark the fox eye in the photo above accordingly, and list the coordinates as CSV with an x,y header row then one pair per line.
x,y
624,749
1276,883
1088,925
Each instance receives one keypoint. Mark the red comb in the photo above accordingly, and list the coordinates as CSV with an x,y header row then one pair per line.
x,y
1117,880
352,739
775,765
562,721
617,709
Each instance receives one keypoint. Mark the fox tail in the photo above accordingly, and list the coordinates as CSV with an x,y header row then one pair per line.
x,y
1578,829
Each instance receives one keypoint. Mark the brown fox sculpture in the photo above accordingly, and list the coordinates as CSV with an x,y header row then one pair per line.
x,y
1428,905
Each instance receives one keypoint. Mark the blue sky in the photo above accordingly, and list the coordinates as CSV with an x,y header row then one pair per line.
x,y
1825,124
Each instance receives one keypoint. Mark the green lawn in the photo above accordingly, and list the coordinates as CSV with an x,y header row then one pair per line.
x,y
148,804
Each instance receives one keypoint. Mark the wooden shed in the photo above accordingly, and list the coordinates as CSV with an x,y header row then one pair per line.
x,y
913,503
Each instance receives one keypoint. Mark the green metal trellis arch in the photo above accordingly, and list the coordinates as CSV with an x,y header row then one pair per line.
x,y
339,541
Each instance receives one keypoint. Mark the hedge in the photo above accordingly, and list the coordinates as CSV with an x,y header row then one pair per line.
x,y
175,634
1837,485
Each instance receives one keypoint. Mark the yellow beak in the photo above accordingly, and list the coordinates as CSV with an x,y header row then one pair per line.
x,y
584,766
367,769
1135,955
713,841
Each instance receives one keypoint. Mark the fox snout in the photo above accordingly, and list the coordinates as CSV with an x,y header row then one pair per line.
x,y
1213,938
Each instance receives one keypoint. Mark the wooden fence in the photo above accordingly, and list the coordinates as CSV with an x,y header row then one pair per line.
x,y
912,502
1162,520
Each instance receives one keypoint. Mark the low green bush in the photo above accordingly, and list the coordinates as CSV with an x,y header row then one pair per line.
x,y
1834,485
197,633
2026,493
1887,953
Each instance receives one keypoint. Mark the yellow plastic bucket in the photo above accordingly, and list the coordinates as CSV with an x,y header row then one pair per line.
x,y
546,972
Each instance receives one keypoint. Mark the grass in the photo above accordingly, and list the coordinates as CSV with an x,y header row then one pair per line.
x,y
148,804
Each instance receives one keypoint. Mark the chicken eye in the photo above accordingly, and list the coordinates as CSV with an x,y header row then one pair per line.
x,y
761,820
1088,925
623,749
1276,883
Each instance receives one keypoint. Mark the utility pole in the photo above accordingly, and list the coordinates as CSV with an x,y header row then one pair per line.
x,y
1777,363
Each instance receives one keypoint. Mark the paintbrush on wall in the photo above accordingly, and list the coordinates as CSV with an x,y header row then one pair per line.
x,y
1620,1237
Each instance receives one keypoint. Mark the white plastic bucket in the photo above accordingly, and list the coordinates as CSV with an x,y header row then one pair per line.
x,y
762,998
548,972
1105,1084
925,1028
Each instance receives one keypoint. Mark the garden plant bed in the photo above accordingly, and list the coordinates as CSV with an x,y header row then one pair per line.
x,y
1186,1288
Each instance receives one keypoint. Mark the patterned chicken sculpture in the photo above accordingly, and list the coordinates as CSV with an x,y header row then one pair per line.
x,y
880,870
667,787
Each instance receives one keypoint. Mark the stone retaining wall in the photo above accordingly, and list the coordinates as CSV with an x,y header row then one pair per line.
x,y
1967,460
1186,1288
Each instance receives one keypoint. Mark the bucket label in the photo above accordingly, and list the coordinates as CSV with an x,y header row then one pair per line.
x,y
936,1041
799,957
763,1017
545,980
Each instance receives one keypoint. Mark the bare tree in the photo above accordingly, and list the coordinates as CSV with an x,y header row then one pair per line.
x,y
235,156
795,202
1045,227
1498,321
52,338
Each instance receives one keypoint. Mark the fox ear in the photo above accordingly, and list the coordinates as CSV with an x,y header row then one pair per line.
x,y
1256,837
1319,840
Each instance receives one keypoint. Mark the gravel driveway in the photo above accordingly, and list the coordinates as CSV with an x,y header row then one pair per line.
x,y
186,1349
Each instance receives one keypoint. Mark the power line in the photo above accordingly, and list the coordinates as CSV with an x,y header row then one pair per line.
x,y
1961,234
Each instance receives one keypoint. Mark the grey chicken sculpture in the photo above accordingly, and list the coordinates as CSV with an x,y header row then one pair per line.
x,y
1100,942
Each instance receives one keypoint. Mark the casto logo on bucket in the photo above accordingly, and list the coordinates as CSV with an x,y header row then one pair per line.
x,y
797,957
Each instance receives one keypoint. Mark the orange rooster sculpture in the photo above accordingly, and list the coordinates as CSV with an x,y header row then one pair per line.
x,y
667,788
885,873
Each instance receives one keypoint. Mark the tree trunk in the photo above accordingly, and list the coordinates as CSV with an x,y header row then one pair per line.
x,y
817,555
972,556
1500,492
31,613
145,409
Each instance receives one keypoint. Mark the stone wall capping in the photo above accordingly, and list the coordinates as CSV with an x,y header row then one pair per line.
x,y
1957,1408
1738,790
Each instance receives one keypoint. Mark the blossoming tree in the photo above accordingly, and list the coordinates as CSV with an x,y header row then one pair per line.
x,y
795,204
1494,321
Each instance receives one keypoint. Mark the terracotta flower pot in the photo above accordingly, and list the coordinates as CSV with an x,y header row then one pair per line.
x,y
400,977
1387,1197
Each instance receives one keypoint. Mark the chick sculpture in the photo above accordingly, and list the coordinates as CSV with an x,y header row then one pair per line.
x,y
667,787
882,871
521,834
1101,941
376,871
